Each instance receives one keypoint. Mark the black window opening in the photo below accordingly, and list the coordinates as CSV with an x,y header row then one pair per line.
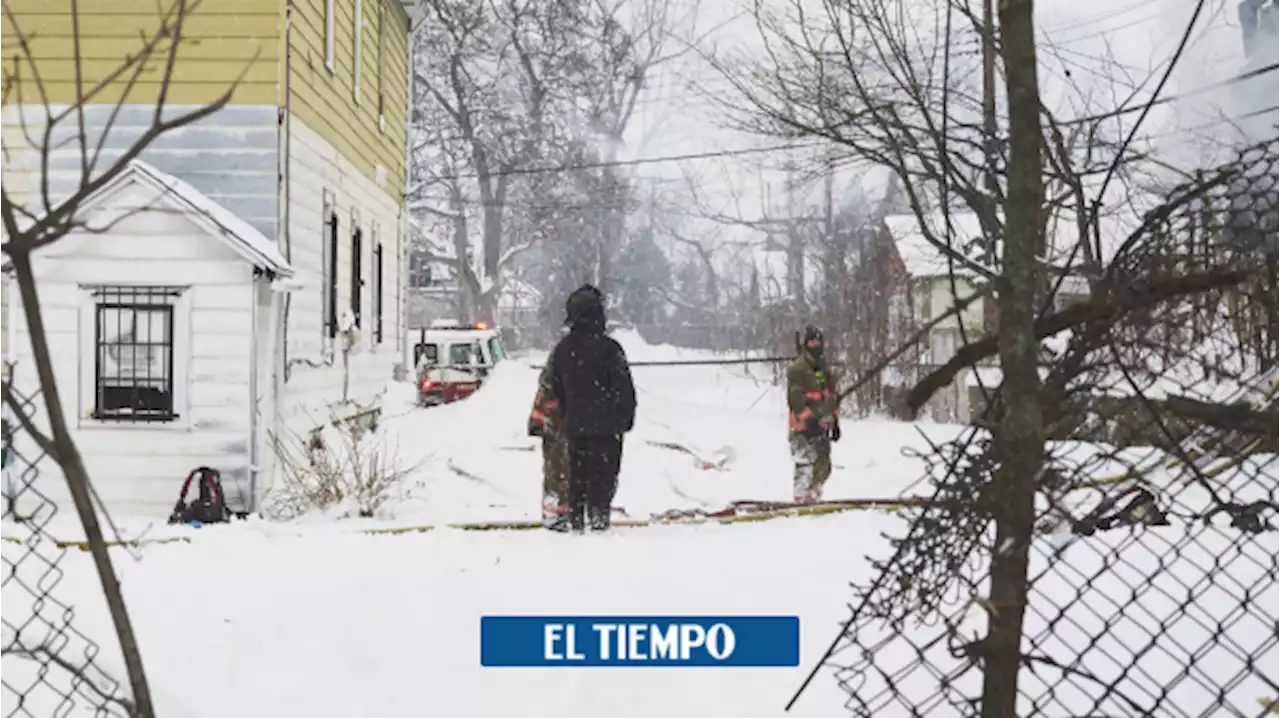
x,y
357,281
377,292
331,278
133,362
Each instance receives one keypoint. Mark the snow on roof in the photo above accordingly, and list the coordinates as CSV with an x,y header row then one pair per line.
x,y
922,258
248,242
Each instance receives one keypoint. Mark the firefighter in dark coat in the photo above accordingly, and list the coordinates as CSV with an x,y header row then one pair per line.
x,y
544,422
592,380
814,420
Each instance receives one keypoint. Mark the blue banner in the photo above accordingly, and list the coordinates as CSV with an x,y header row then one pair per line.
x,y
701,641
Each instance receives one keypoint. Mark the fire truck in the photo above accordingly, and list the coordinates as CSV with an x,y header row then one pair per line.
x,y
453,359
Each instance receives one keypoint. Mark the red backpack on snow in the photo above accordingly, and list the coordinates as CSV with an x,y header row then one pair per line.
x,y
209,506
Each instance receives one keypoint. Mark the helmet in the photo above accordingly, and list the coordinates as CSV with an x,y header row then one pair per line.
x,y
812,342
584,301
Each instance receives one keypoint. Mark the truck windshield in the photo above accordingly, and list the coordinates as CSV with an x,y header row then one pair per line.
x,y
460,354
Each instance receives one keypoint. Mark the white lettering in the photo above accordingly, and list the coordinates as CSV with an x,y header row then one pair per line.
x,y
721,641
635,636
662,644
551,636
691,636
570,645
603,629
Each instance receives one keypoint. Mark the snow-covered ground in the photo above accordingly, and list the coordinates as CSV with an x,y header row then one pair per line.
x,y
314,618
708,409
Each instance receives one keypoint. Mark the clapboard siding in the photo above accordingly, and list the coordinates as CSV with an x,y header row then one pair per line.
x,y
232,156
325,100
227,44
311,393
138,468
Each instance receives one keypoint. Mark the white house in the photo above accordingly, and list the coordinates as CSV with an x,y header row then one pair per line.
x,y
161,318
263,295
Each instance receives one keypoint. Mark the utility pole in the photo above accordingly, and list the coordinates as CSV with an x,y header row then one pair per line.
x,y
833,252
795,244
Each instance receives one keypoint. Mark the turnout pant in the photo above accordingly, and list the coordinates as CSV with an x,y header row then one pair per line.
x,y
555,478
594,463
812,458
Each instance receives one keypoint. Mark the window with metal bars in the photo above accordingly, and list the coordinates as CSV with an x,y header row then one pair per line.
x,y
357,278
377,292
133,362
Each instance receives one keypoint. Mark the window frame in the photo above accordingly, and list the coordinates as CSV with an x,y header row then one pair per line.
x,y
329,36
382,66
173,301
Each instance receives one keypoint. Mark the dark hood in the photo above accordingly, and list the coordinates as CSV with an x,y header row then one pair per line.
x,y
585,310
591,320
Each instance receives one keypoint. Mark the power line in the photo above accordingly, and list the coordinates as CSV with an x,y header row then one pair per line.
x,y
1156,101
818,144
642,161
1125,10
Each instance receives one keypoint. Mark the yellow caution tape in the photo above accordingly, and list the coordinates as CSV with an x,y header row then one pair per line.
x,y
887,505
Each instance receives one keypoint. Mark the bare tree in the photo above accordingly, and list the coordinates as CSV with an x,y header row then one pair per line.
x,y
31,224
623,44
483,103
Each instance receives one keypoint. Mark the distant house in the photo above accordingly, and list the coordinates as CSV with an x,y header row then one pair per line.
x,y
519,313
432,292
930,285
935,282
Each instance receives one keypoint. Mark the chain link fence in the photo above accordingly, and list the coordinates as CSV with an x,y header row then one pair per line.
x,y
50,667
1148,586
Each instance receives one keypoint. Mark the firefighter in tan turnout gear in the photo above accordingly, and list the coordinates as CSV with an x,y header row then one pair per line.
x,y
545,421
813,403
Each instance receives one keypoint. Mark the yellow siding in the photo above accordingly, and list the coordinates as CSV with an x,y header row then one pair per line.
x,y
324,100
223,40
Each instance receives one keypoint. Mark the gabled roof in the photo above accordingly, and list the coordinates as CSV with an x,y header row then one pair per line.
x,y
923,259
220,222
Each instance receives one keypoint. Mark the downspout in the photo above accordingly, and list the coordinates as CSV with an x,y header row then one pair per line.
x,y
278,326
284,195
405,224
254,404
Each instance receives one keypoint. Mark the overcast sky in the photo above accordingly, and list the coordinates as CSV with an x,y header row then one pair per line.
x,y
1106,49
